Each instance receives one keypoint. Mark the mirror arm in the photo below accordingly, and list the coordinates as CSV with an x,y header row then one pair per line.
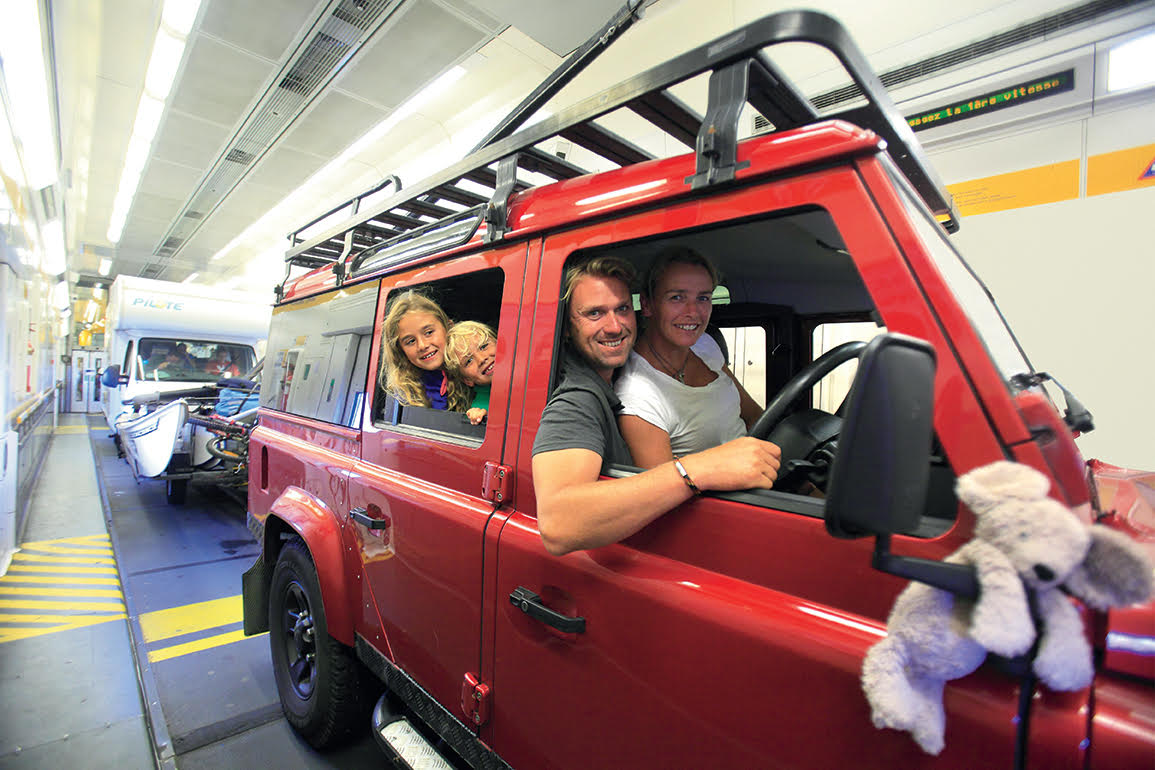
x,y
957,579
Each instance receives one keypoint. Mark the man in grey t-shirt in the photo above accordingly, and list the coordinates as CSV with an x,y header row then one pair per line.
x,y
579,433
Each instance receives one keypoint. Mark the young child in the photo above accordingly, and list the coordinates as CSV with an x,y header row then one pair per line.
x,y
471,356
413,365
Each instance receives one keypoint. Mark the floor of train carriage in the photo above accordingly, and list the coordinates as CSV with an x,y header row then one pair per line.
x,y
120,628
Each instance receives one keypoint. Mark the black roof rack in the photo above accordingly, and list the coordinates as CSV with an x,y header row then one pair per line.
x,y
740,73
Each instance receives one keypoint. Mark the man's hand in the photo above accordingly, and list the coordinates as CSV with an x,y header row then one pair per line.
x,y
743,463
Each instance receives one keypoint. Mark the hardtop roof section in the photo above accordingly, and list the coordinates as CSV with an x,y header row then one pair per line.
x,y
740,74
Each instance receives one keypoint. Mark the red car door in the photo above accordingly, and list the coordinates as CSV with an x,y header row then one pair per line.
x,y
729,632
418,493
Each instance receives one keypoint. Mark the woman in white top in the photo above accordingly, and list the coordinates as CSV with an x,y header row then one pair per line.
x,y
678,396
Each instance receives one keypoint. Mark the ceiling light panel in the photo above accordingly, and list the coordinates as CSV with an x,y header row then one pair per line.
x,y
337,33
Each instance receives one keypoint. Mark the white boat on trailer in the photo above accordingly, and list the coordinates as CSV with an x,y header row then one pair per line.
x,y
149,440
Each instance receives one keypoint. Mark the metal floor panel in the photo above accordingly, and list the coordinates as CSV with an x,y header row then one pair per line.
x,y
67,678
211,691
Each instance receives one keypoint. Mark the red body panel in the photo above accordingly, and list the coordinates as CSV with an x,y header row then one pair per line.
x,y
309,462
1123,728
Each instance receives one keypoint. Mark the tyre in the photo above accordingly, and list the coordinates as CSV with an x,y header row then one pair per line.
x,y
323,687
176,490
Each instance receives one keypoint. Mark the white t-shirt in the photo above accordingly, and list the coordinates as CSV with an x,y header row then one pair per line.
x,y
695,418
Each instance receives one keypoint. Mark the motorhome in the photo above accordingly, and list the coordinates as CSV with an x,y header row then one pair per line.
x,y
172,336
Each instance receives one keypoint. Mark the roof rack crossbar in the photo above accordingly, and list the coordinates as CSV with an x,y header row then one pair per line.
x,y
605,143
558,168
769,93
670,114
776,98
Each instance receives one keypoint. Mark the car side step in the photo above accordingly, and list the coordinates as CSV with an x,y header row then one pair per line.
x,y
401,740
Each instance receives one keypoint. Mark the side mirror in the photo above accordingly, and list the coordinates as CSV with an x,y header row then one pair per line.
x,y
111,377
879,478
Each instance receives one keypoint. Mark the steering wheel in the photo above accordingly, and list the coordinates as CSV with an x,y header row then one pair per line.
x,y
808,437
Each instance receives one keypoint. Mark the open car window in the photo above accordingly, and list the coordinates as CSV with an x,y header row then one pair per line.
x,y
472,296
789,292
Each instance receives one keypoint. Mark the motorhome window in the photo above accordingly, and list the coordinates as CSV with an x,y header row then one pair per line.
x,y
402,403
192,360
792,292
126,367
317,359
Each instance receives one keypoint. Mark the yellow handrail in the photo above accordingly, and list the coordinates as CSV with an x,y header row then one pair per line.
x,y
18,415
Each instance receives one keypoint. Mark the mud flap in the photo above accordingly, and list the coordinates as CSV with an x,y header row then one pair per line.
x,y
255,597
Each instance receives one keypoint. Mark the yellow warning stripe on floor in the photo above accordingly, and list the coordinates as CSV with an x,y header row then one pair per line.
x,y
43,569
62,580
192,619
72,429
50,587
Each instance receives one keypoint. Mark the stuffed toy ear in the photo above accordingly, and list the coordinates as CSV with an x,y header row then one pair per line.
x,y
990,485
1115,572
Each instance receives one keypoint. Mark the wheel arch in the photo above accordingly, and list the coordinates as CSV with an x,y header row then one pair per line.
x,y
296,512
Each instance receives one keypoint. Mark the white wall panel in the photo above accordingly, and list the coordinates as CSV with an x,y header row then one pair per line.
x,y
1075,281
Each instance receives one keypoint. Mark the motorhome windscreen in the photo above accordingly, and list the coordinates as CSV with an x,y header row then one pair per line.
x,y
163,359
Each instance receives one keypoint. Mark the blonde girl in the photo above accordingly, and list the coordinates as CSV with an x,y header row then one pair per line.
x,y
415,332
471,357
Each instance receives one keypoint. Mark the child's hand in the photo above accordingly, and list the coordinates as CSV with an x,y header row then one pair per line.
x,y
476,415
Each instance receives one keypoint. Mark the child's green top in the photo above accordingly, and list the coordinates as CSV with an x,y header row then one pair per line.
x,y
480,398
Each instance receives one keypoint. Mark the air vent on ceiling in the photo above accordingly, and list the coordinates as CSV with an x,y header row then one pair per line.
x,y
338,31
321,49
1029,32
237,155
169,246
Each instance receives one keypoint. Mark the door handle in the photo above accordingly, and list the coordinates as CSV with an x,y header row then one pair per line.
x,y
530,603
362,517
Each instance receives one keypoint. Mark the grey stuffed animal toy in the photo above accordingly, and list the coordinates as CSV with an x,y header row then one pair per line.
x,y
1023,540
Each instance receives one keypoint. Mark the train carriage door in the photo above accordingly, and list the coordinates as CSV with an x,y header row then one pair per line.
x,y
428,484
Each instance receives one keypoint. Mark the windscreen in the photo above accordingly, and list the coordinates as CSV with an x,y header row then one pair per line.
x,y
163,359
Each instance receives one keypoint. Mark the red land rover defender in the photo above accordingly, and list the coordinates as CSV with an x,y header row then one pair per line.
x,y
399,544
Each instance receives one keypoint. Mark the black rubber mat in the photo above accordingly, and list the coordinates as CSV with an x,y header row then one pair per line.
x,y
181,572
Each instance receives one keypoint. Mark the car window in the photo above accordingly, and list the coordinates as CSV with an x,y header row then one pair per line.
x,y
405,390
318,355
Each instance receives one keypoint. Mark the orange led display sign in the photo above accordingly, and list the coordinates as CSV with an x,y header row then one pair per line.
x,y
1029,91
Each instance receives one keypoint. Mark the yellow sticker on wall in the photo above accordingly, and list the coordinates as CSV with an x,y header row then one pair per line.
x,y
1017,189
1121,170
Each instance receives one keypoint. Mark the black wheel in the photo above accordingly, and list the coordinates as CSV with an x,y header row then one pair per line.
x,y
323,687
176,490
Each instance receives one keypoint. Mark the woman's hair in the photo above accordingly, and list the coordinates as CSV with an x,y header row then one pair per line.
x,y
675,255
398,374
459,338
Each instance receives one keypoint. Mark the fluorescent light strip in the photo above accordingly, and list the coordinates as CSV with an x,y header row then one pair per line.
x,y
167,51
1131,64
55,260
20,46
